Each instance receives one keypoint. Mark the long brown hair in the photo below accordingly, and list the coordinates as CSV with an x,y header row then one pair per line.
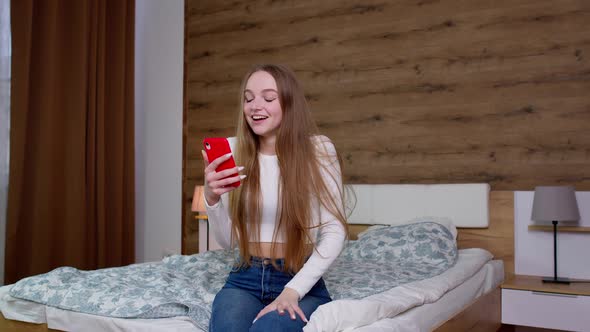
x,y
305,167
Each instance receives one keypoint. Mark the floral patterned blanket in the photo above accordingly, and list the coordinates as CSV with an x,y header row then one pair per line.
x,y
382,258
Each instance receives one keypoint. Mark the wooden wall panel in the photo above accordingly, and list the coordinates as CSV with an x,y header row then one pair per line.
x,y
424,91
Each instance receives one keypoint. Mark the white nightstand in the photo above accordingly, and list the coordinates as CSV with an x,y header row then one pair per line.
x,y
527,301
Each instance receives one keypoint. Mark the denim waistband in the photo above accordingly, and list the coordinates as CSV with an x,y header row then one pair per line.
x,y
259,261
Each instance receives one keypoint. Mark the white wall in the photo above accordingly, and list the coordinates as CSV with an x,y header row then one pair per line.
x,y
158,127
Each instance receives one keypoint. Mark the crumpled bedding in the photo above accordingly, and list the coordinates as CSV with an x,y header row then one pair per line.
x,y
381,259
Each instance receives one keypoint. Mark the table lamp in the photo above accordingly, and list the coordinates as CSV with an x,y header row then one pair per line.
x,y
555,203
199,203
199,207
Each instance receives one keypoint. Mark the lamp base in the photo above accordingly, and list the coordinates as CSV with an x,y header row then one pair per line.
x,y
557,280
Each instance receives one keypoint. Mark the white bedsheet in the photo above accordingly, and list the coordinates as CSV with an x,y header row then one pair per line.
x,y
345,315
373,315
431,315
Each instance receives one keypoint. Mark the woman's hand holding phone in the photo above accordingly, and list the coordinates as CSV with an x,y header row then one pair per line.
x,y
219,183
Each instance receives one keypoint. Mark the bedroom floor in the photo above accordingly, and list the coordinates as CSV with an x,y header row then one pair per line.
x,y
513,328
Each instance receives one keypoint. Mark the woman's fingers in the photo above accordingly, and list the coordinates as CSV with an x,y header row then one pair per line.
x,y
227,181
205,159
300,313
292,309
291,312
282,308
215,163
219,183
215,182
264,311
229,172
222,186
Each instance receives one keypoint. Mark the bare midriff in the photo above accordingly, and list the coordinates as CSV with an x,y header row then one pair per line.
x,y
264,249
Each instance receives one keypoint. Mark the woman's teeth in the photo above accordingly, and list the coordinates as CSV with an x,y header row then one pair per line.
x,y
259,117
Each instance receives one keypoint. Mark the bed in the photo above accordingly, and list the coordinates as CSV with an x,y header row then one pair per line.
x,y
484,219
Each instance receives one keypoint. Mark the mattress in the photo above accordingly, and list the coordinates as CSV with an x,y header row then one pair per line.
x,y
422,318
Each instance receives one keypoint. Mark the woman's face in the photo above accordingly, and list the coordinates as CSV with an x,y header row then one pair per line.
x,y
262,109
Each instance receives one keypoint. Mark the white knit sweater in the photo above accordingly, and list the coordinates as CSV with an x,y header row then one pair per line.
x,y
329,236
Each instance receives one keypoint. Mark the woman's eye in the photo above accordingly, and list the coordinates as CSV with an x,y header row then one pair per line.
x,y
267,99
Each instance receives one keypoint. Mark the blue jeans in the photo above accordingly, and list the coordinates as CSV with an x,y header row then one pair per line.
x,y
248,290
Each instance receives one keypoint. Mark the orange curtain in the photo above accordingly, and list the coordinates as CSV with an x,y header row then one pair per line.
x,y
71,186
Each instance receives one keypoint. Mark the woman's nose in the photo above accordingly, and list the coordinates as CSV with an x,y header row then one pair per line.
x,y
256,104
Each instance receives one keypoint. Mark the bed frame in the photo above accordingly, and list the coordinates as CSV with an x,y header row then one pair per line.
x,y
484,314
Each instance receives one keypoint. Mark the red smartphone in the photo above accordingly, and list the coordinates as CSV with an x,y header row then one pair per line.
x,y
216,147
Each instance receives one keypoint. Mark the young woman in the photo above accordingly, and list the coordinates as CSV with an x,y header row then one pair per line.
x,y
286,218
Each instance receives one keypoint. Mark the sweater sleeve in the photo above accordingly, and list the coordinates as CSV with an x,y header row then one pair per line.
x,y
331,231
219,221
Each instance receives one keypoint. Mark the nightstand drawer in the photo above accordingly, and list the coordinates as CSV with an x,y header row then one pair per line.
x,y
548,310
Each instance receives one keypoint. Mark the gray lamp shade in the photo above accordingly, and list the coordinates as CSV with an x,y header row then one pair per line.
x,y
555,203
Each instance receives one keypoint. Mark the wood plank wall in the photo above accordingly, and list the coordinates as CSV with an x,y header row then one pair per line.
x,y
424,91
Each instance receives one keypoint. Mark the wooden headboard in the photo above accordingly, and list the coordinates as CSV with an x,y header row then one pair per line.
x,y
497,236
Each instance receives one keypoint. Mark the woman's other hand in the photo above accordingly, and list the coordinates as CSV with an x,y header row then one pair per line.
x,y
288,301
218,183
